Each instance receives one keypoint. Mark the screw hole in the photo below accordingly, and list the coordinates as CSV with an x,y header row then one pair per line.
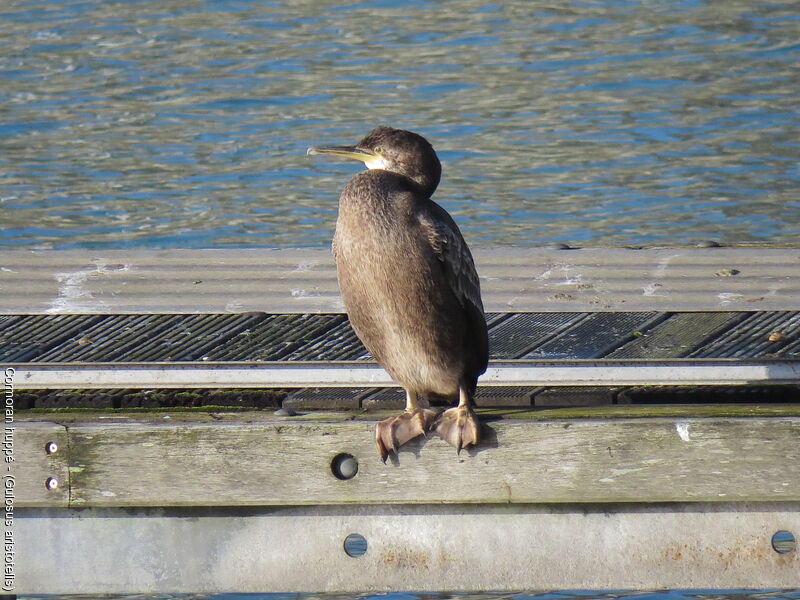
x,y
344,466
355,545
783,542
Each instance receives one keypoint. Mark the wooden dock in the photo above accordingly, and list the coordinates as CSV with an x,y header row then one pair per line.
x,y
641,427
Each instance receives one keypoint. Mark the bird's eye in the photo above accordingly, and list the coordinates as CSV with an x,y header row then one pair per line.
x,y
379,150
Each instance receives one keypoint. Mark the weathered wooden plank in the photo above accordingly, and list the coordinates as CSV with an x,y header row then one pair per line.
x,y
40,467
519,461
303,280
468,548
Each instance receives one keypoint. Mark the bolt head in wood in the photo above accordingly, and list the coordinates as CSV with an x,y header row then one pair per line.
x,y
51,447
51,483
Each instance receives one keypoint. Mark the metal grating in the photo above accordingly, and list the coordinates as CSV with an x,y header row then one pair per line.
x,y
574,396
276,337
337,343
504,396
385,398
394,398
518,334
790,347
678,335
329,337
751,337
25,338
595,336
126,338
327,398
136,398
91,338
710,395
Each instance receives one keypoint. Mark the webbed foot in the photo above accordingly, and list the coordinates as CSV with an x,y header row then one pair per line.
x,y
392,433
459,427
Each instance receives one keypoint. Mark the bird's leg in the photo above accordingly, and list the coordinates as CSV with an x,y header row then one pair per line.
x,y
459,426
393,432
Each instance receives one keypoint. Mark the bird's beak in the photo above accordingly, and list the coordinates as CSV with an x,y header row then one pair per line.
x,y
351,152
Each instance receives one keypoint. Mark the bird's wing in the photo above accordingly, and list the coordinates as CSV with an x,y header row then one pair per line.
x,y
452,251
450,248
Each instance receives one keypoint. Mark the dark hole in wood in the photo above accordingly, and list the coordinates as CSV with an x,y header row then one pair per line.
x,y
344,466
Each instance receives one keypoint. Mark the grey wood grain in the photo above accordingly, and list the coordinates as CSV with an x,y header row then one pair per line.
x,y
304,280
35,463
518,461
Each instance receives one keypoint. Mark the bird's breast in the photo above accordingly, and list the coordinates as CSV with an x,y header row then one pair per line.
x,y
398,303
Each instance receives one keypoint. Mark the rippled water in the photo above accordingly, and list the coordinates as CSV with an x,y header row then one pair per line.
x,y
183,123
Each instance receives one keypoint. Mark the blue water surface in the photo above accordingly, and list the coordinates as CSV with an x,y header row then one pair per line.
x,y
603,122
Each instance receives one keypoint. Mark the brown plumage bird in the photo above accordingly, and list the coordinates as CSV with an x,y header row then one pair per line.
x,y
409,285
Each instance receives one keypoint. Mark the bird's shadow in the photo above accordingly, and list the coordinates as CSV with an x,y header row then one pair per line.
x,y
488,440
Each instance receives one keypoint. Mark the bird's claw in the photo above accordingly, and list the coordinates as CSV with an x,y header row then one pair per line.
x,y
459,427
393,432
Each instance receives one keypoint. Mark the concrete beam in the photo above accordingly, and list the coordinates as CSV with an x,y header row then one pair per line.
x,y
465,547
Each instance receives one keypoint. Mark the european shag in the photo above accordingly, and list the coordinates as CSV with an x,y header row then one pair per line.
x,y
409,285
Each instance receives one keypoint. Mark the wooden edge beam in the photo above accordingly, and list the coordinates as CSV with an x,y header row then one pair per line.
x,y
285,462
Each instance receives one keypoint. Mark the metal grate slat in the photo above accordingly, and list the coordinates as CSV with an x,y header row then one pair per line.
x,y
678,335
790,348
493,319
750,338
26,337
104,340
574,396
595,336
191,337
158,338
385,398
276,337
499,396
127,338
338,343
755,394
212,334
518,334
319,337
167,338
327,398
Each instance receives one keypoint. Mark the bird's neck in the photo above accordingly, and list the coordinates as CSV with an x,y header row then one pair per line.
x,y
425,185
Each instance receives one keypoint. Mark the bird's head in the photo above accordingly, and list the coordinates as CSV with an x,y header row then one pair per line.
x,y
393,150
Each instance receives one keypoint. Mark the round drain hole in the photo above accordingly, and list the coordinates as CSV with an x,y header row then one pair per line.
x,y
344,466
783,542
355,545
